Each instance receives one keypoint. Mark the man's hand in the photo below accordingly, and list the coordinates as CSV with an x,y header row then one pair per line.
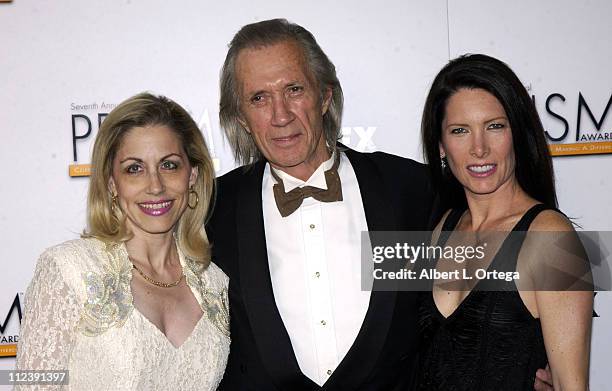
x,y
543,381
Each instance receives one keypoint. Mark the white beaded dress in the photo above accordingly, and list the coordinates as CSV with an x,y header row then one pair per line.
x,y
79,315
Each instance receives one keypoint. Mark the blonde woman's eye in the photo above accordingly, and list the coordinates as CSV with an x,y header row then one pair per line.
x,y
169,165
133,169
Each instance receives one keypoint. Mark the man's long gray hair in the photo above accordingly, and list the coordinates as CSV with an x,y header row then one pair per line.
x,y
266,33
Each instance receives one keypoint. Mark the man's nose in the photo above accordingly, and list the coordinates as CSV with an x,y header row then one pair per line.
x,y
281,112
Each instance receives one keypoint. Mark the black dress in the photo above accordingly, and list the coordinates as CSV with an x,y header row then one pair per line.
x,y
491,341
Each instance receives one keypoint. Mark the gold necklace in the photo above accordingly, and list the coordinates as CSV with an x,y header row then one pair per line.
x,y
154,282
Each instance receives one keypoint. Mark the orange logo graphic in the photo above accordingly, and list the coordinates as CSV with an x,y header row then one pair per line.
x,y
595,148
76,170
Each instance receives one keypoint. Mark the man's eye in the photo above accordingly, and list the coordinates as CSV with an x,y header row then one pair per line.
x,y
169,165
133,169
257,99
296,89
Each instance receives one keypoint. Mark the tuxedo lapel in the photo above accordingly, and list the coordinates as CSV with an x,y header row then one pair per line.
x,y
363,354
269,332
374,193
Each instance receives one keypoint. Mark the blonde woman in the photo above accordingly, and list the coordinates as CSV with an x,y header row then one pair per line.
x,y
135,303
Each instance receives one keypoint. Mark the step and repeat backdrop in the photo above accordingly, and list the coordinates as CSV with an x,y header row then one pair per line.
x,y
65,65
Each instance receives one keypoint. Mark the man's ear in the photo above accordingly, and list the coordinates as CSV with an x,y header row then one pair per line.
x,y
243,123
327,96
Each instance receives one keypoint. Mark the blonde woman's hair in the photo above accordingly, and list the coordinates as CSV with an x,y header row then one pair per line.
x,y
106,222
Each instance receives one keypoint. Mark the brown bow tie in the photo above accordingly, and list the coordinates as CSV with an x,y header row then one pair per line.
x,y
288,203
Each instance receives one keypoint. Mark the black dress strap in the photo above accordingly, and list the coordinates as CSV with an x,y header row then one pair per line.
x,y
529,216
449,225
507,257
523,224
452,219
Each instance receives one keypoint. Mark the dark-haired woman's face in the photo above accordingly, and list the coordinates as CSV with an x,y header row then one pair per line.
x,y
477,142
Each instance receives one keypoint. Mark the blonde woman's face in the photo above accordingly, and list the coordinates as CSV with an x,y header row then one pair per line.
x,y
151,176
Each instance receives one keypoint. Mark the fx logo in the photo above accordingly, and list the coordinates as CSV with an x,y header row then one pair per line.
x,y
365,143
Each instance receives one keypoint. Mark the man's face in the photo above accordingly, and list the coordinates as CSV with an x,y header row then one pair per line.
x,y
281,107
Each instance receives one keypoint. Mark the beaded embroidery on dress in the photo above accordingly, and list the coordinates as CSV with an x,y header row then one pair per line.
x,y
79,315
109,300
214,303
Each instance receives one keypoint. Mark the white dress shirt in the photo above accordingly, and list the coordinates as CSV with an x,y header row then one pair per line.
x,y
314,257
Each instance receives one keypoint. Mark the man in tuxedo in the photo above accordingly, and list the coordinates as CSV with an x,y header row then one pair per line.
x,y
286,227
299,318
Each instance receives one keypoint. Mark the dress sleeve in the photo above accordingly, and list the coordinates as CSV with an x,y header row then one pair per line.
x,y
50,319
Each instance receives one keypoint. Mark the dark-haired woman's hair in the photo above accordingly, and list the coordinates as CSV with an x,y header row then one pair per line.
x,y
533,170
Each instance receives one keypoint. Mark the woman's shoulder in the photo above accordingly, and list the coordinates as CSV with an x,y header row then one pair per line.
x,y
73,247
71,250
97,274
551,220
76,250
216,276
66,263
74,257
207,276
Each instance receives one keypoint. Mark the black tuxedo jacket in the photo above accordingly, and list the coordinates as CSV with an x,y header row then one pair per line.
x,y
396,195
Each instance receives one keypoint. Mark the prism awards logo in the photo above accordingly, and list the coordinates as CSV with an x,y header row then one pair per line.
x,y
9,329
84,118
85,121
577,125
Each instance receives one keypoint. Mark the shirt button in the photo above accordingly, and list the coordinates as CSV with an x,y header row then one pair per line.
x,y
329,372
323,322
312,226
317,275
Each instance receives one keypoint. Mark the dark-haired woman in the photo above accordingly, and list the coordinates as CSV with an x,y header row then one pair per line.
x,y
488,156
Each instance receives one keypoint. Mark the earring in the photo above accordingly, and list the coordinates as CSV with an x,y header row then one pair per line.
x,y
443,162
197,198
114,203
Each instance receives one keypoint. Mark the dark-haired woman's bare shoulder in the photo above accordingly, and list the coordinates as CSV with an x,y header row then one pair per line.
x,y
551,220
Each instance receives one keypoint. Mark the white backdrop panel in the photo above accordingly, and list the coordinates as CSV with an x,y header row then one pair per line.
x,y
56,55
